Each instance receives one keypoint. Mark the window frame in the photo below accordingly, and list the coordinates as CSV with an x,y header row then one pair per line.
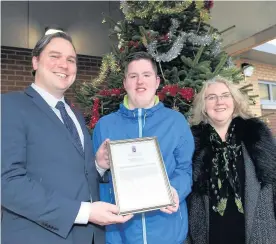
x,y
270,101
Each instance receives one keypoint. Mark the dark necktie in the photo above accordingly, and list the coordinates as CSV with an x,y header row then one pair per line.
x,y
70,125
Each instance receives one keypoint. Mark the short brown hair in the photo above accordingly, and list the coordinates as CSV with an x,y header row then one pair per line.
x,y
138,56
45,40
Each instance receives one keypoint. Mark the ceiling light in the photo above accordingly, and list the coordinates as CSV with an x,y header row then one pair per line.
x,y
50,30
247,69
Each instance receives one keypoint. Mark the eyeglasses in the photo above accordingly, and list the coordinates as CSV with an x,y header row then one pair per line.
x,y
214,97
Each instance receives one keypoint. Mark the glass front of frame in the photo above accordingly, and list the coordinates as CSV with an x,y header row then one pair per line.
x,y
139,176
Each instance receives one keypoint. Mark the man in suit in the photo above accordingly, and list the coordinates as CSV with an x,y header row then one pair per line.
x,y
49,176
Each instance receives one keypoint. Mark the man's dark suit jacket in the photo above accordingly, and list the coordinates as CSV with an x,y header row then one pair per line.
x,y
44,176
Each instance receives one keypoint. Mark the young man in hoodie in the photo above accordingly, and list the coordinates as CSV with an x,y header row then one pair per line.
x,y
142,115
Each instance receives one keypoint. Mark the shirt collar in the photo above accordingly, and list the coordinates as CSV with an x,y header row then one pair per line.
x,y
50,99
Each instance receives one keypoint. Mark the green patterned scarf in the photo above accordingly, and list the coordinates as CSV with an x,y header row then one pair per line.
x,y
223,172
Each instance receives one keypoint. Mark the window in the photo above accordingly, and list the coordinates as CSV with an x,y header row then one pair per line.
x,y
264,91
267,92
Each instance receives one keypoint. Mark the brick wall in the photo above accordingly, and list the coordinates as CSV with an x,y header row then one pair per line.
x,y
16,67
16,74
263,72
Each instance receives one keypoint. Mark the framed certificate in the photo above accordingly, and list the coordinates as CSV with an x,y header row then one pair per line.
x,y
140,180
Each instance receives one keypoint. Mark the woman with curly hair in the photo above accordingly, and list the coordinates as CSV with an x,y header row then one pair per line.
x,y
234,170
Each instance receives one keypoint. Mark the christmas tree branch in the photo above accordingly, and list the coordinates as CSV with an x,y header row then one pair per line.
x,y
181,101
159,63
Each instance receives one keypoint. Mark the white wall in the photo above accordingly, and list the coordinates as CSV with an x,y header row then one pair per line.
x,y
23,23
14,22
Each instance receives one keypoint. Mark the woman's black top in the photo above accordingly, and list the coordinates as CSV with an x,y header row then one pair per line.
x,y
229,228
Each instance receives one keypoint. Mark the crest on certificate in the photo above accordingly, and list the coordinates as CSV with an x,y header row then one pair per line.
x,y
133,149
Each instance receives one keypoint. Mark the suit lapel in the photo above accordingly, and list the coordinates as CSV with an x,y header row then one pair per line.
x,y
252,190
44,107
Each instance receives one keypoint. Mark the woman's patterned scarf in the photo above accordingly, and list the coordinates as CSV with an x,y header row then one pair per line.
x,y
223,171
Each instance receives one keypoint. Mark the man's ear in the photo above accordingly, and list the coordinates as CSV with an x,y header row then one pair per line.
x,y
124,82
35,63
157,81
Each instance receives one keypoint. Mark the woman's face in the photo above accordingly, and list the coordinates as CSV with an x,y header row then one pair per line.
x,y
219,104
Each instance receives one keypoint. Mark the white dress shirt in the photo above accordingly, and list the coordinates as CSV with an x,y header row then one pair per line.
x,y
84,211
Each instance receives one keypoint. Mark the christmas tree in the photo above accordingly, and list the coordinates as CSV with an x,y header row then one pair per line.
x,y
177,35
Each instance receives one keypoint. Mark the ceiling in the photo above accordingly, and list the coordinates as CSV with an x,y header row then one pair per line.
x,y
254,21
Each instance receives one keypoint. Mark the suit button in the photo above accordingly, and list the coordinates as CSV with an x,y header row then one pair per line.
x,y
86,172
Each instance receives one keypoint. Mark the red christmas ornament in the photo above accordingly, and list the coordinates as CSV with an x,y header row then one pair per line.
x,y
112,92
94,113
187,93
208,4
170,90
133,44
115,92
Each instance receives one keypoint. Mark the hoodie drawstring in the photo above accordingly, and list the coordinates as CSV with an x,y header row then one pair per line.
x,y
144,121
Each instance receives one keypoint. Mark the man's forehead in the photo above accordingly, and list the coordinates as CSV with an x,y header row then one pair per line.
x,y
58,45
141,61
141,65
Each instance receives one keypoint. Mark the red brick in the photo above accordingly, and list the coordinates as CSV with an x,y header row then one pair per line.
x,y
3,50
16,57
8,61
11,88
28,59
81,67
7,72
29,78
84,59
19,88
87,63
81,72
22,83
15,77
88,68
24,62
8,83
28,68
20,70
83,77
25,73
24,53
93,73
3,77
15,67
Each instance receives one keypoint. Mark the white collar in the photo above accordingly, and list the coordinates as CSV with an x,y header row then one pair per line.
x,y
49,98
